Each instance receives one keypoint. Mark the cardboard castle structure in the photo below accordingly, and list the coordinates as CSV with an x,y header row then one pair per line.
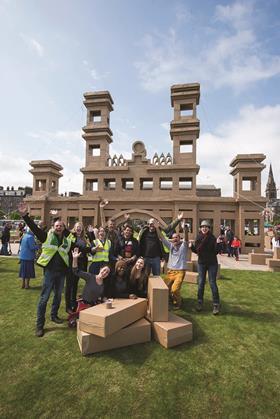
x,y
130,322
159,187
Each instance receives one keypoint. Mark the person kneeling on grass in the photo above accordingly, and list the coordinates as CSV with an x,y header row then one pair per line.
x,y
93,291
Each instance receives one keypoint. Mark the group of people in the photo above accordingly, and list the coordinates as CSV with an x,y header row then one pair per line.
x,y
120,261
228,243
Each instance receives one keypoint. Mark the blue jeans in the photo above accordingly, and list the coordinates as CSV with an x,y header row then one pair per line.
x,y
4,249
153,264
52,281
212,276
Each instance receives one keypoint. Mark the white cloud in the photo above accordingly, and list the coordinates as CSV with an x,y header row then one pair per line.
x,y
33,44
96,75
256,130
60,135
232,55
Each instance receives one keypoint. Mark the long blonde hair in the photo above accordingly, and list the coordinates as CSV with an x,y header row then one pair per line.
x,y
79,223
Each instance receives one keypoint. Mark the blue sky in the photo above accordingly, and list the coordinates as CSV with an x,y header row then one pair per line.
x,y
54,51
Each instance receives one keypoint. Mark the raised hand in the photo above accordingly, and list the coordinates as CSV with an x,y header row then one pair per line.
x,y
22,208
75,253
103,203
180,216
126,216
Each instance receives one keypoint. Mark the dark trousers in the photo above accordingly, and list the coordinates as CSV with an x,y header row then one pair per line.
x,y
71,291
52,281
212,276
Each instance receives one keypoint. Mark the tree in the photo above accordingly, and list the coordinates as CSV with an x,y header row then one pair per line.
x,y
14,215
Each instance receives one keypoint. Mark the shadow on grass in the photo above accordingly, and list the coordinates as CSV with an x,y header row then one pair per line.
x,y
231,310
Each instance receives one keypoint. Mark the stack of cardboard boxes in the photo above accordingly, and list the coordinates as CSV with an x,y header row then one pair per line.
x,y
129,322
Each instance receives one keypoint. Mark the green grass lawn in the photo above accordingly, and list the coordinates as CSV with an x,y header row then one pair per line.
x,y
230,370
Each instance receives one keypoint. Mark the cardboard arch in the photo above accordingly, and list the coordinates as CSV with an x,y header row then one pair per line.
x,y
137,213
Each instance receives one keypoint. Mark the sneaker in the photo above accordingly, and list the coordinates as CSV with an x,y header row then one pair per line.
x,y
199,307
216,309
56,320
39,333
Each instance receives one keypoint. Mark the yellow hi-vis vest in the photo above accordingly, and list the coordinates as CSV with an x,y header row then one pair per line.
x,y
50,247
102,256
165,248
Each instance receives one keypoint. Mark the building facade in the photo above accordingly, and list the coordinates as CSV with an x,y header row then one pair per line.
x,y
10,197
159,187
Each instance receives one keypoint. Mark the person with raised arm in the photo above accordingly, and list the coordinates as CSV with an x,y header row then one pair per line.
x,y
151,247
177,263
205,246
55,261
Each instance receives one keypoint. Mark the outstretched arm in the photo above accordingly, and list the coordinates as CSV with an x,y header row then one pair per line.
x,y
103,204
174,223
39,233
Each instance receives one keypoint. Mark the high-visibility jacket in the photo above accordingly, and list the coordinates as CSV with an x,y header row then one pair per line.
x,y
102,256
51,246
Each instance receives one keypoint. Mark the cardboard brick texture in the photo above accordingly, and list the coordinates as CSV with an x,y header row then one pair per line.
x,y
191,277
157,299
102,321
138,332
174,332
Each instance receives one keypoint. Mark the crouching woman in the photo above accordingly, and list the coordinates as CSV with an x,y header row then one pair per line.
x,y
94,288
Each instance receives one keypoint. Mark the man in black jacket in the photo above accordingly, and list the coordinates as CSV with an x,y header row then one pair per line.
x,y
205,247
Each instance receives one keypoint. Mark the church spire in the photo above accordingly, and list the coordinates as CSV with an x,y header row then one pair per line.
x,y
271,191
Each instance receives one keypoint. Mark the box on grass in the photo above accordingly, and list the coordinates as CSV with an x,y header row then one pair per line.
x,y
276,253
157,299
138,332
191,277
103,321
174,332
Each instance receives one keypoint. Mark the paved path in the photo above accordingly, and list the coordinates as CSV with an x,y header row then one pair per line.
x,y
243,264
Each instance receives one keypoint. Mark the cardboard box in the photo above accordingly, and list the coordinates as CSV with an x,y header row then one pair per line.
x,y
258,258
276,253
273,263
189,266
138,332
103,321
174,332
191,277
158,295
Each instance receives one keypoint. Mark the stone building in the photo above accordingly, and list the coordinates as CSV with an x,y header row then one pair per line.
x,y
10,197
159,187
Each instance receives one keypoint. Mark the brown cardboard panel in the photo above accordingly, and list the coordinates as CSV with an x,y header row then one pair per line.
x,y
158,299
273,263
258,258
174,332
138,332
191,277
276,253
103,322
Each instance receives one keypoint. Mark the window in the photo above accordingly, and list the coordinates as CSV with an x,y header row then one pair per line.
x,y
166,183
227,222
252,227
40,185
146,183
53,185
186,146
185,183
92,185
249,183
186,110
94,150
110,184
128,184
95,116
